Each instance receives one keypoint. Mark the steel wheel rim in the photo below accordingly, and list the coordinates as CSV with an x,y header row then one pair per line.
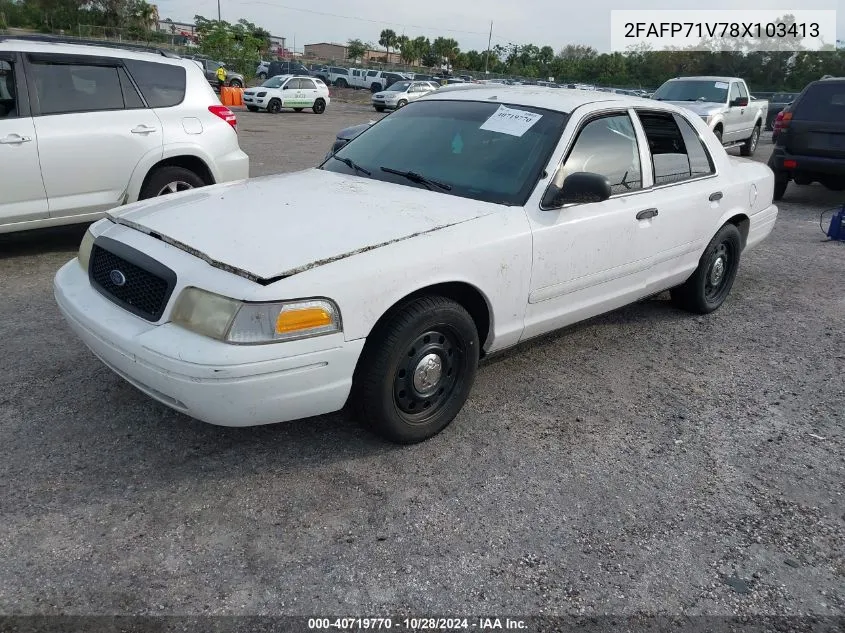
x,y
430,370
174,187
754,137
719,271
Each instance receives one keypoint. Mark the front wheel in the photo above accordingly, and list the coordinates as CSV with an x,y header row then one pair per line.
x,y
274,107
401,104
319,106
718,133
750,146
375,88
341,83
417,370
710,284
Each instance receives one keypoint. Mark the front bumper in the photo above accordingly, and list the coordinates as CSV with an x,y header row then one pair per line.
x,y
257,102
171,364
387,105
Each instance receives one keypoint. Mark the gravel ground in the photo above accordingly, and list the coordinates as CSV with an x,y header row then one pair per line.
x,y
647,461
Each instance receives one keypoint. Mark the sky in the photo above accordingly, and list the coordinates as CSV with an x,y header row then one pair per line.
x,y
555,23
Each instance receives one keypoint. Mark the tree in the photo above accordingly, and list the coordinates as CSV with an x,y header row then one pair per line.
x,y
407,49
355,49
234,44
388,39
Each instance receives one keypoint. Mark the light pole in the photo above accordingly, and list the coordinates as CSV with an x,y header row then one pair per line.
x,y
487,57
218,11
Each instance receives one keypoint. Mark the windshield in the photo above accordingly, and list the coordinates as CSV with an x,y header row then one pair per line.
x,y
274,82
710,91
399,86
467,145
783,97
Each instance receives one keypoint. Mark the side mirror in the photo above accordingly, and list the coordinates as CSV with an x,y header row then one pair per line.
x,y
285,87
578,188
740,102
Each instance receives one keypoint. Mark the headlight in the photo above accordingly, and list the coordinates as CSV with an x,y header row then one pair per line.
x,y
85,247
245,323
261,94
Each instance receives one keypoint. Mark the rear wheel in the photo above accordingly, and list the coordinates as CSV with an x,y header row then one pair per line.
x,y
319,106
711,283
274,107
718,133
169,179
750,146
781,182
236,83
417,370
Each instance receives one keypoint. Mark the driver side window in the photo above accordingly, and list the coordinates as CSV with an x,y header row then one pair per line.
x,y
606,146
734,92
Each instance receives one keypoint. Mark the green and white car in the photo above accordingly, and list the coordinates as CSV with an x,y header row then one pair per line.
x,y
295,92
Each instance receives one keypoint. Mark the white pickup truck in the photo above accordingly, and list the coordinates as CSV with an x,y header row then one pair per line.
x,y
724,103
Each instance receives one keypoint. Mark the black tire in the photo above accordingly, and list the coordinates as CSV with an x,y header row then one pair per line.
x,y
274,107
169,179
781,182
711,283
236,83
718,133
298,109
262,76
319,106
252,108
379,108
389,389
802,180
402,103
341,83
376,88
750,146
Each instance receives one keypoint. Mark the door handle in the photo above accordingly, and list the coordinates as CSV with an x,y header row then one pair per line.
x,y
14,139
646,214
142,129
716,195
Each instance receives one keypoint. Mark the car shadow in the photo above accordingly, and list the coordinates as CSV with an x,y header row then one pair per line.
x,y
38,241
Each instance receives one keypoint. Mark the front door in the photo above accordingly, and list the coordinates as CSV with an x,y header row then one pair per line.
x,y
592,257
93,130
22,195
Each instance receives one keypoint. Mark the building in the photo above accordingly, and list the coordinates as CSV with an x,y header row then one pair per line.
x,y
338,52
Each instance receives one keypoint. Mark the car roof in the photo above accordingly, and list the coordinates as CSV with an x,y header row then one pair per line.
x,y
59,46
536,96
706,78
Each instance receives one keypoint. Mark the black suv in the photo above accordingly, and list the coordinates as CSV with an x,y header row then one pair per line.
x,y
811,144
287,68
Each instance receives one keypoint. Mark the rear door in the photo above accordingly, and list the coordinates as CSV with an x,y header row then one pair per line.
x,y
817,127
22,194
93,130
308,92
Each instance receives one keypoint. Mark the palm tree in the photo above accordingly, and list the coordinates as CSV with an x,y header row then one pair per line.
x,y
388,39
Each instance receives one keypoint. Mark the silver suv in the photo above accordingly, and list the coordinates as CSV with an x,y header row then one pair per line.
x,y
86,128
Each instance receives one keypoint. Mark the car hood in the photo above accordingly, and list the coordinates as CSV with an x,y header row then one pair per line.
x,y
273,227
701,108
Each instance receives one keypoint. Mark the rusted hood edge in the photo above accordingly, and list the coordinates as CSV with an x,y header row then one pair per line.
x,y
283,275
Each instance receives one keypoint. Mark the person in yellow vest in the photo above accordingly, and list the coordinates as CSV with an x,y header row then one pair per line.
x,y
221,76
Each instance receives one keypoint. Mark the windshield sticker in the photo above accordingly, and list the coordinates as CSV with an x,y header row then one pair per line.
x,y
510,121
721,85
457,144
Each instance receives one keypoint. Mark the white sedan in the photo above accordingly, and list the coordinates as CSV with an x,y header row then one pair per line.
x,y
381,277
288,91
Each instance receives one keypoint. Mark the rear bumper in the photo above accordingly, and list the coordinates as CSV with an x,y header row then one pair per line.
x,y
761,226
806,164
231,167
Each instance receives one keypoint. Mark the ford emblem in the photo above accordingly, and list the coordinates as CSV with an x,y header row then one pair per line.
x,y
117,278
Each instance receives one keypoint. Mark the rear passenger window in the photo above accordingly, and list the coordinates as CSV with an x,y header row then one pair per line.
x,y
131,98
700,161
8,101
676,156
163,85
66,88
306,84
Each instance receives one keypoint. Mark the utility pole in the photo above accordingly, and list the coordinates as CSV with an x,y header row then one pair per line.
x,y
218,11
487,57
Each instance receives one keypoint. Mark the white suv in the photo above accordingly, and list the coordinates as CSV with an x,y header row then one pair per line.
x,y
86,128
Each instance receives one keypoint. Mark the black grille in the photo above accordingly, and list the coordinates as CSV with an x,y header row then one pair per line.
x,y
132,280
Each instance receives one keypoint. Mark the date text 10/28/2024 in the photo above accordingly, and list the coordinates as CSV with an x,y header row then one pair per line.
x,y
417,624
